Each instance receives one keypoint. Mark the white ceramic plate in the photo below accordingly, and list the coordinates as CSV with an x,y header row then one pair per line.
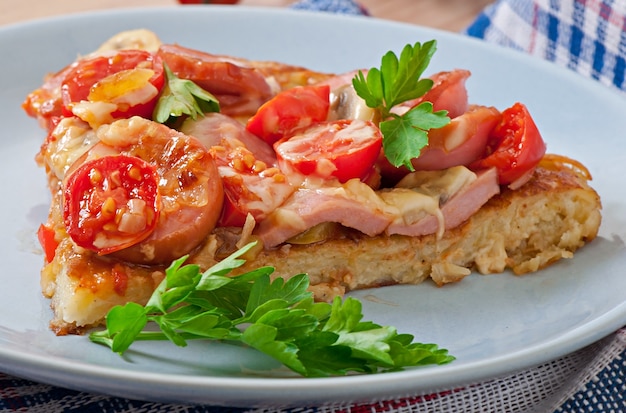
x,y
492,324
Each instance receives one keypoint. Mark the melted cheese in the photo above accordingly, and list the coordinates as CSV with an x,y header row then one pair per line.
x,y
420,194
438,184
69,141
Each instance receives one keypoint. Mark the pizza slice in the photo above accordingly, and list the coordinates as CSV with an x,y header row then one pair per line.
x,y
360,210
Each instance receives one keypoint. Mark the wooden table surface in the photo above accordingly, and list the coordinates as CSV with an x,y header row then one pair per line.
x,y
453,15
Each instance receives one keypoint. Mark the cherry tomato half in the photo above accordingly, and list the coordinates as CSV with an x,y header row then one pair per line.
x,y
344,149
515,145
80,80
291,109
111,203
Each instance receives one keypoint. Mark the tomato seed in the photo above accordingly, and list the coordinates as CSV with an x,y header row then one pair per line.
x,y
237,164
259,166
95,176
279,178
109,207
249,160
110,227
119,213
135,173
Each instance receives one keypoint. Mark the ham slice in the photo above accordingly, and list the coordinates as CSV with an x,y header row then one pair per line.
x,y
428,209
455,210
353,205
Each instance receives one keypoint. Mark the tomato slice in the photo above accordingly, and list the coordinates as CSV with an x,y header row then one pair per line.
x,y
291,109
126,70
515,145
233,215
111,203
236,197
344,149
48,243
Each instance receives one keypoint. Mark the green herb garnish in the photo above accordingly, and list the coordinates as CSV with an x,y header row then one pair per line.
x,y
278,318
397,81
182,97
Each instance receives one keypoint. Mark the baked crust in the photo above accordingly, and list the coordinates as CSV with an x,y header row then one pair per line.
x,y
83,287
523,230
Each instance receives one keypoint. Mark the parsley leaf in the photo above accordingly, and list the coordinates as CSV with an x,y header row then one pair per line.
x,y
398,81
279,318
405,136
182,97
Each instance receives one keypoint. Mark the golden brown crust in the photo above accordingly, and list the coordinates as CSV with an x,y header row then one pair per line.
x,y
83,287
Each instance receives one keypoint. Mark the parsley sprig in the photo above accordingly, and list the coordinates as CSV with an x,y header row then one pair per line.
x,y
279,318
182,97
397,81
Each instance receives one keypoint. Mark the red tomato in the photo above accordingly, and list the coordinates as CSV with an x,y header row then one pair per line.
x,y
80,80
515,145
232,214
247,167
344,149
48,243
236,197
111,203
291,109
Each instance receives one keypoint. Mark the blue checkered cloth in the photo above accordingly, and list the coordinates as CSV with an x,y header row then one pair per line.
x,y
587,36
332,6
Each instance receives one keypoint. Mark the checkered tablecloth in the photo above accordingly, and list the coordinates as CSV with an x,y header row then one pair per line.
x,y
588,37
